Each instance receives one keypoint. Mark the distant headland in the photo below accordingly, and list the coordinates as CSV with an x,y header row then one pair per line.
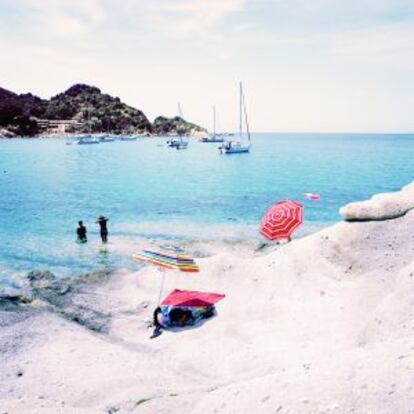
x,y
81,109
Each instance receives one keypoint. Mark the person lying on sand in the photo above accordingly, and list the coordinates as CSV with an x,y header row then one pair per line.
x,y
184,309
176,317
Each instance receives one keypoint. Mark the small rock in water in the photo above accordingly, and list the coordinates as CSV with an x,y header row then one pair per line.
x,y
37,275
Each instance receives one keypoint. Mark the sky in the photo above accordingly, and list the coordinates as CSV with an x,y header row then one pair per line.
x,y
306,65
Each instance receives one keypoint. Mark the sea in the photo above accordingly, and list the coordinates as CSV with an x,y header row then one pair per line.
x,y
153,194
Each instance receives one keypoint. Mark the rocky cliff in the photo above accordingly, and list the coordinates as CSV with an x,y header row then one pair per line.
x,y
175,126
17,113
80,109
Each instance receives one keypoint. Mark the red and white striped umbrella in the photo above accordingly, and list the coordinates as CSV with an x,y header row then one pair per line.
x,y
281,220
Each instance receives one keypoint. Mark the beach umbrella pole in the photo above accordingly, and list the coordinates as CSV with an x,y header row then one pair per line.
x,y
161,286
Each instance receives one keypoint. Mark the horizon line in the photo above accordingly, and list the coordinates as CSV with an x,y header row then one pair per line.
x,y
336,132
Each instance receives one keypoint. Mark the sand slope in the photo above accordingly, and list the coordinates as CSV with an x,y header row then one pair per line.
x,y
324,324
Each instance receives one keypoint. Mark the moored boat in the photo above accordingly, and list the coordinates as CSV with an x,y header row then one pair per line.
x,y
86,140
214,137
106,138
242,144
234,147
128,138
178,142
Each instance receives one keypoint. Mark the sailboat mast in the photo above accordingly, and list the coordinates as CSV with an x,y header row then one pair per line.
x,y
180,114
214,119
245,117
241,111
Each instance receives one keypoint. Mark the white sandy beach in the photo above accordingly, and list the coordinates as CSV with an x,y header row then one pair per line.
x,y
323,324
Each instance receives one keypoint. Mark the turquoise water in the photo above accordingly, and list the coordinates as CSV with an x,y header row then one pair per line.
x,y
153,192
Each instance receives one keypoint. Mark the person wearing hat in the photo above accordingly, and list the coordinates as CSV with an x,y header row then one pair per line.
x,y
102,220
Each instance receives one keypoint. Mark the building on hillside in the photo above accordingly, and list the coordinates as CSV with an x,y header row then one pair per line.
x,y
57,126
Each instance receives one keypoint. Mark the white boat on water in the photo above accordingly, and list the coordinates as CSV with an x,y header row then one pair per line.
x,y
106,138
214,137
243,143
179,141
86,140
128,138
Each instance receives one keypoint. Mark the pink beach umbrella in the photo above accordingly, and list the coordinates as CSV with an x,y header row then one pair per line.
x,y
281,220
190,298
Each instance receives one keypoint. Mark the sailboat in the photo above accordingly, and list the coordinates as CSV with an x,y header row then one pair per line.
x,y
178,142
214,137
241,145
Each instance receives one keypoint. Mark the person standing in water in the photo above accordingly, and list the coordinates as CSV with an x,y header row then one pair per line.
x,y
102,220
81,232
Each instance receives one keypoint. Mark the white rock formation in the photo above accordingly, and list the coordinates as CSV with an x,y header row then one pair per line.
x,y
381,206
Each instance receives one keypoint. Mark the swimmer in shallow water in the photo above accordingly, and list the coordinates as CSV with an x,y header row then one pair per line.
x,y
102,220
81,233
